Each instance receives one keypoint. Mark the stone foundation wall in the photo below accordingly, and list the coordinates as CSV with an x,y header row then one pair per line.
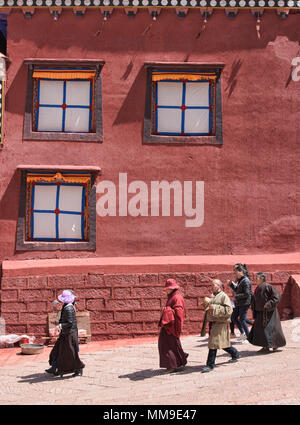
x,y
294,287
120,305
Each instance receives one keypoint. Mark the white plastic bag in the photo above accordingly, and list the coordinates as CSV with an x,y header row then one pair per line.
x,y
5,340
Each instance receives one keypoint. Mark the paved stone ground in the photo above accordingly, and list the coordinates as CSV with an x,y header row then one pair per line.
x,y
127,372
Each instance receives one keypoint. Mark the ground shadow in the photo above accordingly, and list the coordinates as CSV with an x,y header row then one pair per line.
x,y
41,377
143,374
190,369
150,373
202,345
194,369
248,353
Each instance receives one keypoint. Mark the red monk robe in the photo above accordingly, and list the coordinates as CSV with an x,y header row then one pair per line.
x,y
171,353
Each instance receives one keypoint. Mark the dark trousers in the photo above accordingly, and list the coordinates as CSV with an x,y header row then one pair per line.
x,y
238,317
212,354
248,321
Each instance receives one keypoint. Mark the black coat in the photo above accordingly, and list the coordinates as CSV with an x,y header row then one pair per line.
x,y
64,354
265,296
266,330
68,319
242,291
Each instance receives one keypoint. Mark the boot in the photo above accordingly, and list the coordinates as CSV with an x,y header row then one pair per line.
x,y
77,373
170,370
52,370
263,350
235,358
206,369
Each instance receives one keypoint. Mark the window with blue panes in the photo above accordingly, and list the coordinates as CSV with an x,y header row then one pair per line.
x,y
183,107
57,208
57,212
63,105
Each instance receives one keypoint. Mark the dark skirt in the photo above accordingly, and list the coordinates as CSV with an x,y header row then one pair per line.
x,y
270,336
171,354
64,354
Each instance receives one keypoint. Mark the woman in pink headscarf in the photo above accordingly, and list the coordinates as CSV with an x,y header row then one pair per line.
x,y
64,355
171,353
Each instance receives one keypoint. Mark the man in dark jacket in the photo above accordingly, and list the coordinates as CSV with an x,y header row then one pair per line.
x,y
266,331
242,300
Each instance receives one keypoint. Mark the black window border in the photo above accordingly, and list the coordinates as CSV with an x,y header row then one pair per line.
x,y
29,134
152,139
22,245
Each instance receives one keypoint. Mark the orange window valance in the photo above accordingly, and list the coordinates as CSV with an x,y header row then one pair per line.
x,y
65,74
159,76
58,178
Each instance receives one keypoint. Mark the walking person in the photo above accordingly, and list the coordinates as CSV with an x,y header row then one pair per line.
x,y
171,353
219,312
232,326
64,356
266,331
242,300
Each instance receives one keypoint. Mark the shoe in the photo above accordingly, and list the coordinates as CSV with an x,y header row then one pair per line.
x,y
242,337
51,370
77,373
180,368
275,348
207,369
263,350
59,373
169,371
232,336
234,359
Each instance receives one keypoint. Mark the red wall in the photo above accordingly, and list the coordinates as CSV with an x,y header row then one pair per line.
x,y
120,305
250,182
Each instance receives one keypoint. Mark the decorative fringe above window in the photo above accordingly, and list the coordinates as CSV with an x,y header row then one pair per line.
x,y
59,178
159,76
65,75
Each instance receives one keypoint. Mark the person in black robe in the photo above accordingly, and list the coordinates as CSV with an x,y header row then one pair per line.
x,y
171,355
266,331
64,356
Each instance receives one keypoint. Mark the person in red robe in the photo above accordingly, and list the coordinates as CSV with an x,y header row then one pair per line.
x,y
172,356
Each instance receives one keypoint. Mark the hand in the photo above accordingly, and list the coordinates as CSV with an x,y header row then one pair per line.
x,y
206,302
57,329
211,307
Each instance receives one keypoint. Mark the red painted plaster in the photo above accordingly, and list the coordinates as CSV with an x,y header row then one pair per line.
x,y
250,182
99,265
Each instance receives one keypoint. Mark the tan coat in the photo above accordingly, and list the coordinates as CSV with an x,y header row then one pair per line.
x,y
220,316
